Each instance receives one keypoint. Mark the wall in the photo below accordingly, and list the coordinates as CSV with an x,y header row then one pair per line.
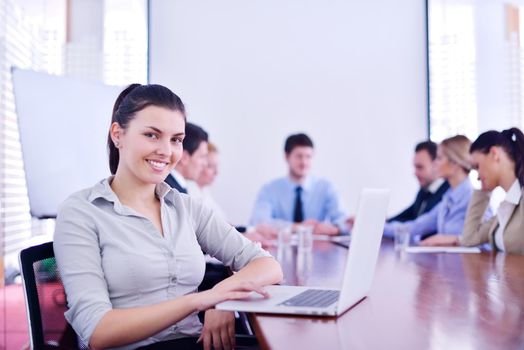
x,y
350,74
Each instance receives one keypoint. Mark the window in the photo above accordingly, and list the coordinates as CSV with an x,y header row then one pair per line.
x,y
104,40
452,81
476,66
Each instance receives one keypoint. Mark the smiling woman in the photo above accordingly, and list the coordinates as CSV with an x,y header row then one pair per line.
x,y
129,249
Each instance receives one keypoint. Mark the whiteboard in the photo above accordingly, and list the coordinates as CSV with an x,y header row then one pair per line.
x,y
351,74
63,124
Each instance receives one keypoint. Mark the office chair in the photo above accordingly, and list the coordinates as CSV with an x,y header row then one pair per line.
x,y
45,300
46,303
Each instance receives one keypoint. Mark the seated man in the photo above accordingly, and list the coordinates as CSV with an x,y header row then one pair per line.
x,y
431,187
299,197
192,162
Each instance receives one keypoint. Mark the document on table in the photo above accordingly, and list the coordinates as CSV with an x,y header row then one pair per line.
x,y
340,239
414,249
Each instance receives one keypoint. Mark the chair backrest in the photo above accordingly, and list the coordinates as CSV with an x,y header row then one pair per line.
x,y
45,299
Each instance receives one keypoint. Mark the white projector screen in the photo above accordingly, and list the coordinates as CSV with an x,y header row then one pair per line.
x,y
63,126
351,74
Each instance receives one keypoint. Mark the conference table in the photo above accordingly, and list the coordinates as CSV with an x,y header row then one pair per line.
x,y
417,301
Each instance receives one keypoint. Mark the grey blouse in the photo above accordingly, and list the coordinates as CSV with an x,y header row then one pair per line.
x,y
110,256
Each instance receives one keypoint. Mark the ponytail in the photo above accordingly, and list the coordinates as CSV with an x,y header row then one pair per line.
x,y
114,155
516,141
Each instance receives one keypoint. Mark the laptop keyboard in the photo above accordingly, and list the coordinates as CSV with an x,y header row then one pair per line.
x,y
313,298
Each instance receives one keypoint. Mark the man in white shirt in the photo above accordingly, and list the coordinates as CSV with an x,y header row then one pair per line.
x,y
192,162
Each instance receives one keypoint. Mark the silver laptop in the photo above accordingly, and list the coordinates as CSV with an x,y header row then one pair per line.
x,y
358,276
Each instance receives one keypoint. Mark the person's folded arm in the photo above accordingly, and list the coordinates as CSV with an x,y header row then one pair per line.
x,y
476,229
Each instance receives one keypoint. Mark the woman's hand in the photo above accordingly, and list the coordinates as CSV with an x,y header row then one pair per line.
x,y
229,289
219,326
440,240
219,330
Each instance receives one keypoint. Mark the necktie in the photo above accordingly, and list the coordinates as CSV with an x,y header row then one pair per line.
x,y
423,204
298,214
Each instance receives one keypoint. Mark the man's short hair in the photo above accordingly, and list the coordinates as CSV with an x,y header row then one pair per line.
x,y
195,135
428,146
297,140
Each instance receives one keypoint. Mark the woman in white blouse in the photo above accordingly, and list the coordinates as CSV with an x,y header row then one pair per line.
x,y
129,249
499,160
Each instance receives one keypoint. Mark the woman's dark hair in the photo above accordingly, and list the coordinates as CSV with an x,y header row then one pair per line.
x,y
510,140
133,99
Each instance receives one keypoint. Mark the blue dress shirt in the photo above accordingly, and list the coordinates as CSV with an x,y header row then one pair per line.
x,y
276,201
447,217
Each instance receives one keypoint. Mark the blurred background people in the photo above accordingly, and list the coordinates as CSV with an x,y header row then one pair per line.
x,y
453,164
299,197
207,177
499,160
192,162
432,187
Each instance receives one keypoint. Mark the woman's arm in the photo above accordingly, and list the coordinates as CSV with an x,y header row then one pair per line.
x,y
260,271
219,326
476,231
125,326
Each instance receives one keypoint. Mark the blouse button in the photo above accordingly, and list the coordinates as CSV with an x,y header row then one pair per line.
x,y
173,280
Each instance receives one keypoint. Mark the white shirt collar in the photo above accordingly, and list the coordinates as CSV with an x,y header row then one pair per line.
x,y
179,178
435,185
514,193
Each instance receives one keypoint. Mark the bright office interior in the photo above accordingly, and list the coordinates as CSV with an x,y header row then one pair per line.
x,y
366,80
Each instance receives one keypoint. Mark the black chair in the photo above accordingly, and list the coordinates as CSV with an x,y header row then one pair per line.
x,y
46,303
45,300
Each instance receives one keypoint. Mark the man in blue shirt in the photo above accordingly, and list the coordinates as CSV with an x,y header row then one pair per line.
x,y
299,197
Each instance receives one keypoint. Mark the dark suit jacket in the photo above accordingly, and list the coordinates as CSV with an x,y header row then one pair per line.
x,y
171,181
415,210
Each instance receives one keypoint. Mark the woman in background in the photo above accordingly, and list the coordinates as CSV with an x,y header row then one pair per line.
x,y
262,233
129,249
499,160
447,217
207,178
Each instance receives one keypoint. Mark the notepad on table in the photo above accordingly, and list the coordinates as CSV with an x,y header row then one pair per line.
x,y
414,249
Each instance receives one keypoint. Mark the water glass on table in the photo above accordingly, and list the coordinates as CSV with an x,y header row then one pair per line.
x,y
402,236
282,230
305,238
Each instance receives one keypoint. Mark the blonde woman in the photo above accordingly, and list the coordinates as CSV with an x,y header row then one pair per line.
x,y
446,218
